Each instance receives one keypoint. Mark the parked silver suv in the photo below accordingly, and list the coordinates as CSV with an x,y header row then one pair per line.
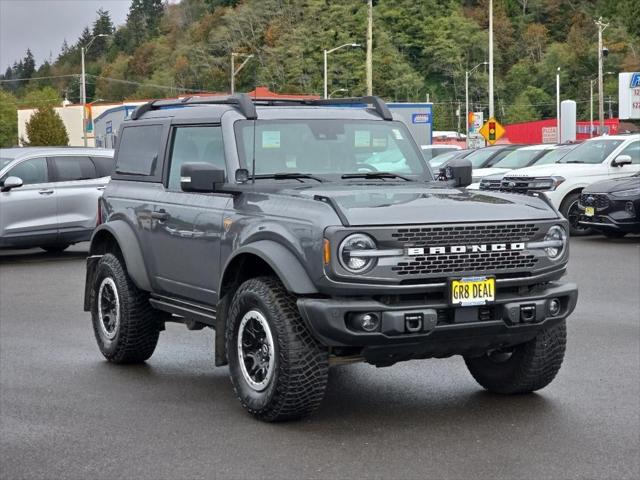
x,y
49,195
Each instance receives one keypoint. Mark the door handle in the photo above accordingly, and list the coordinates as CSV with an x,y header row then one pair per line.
x,y
45,191
100,188
160,215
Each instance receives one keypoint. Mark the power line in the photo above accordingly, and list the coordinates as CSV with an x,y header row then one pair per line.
x,y
131,82
38,78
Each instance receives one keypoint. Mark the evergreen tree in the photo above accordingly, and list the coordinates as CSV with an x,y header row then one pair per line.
x,y
28,65
102,26
45,128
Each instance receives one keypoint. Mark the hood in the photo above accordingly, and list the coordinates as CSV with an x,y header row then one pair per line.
x,y
614,185
479,173
417,203
559,169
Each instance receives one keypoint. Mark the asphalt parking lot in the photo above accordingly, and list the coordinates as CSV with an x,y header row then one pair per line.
x,y
67,413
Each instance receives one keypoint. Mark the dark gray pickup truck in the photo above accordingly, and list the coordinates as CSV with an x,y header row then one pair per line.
x,y
310,234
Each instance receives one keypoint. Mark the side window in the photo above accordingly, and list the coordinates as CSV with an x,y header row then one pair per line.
x,y
139,150
30,171
633,150
104,166
194,144
69,169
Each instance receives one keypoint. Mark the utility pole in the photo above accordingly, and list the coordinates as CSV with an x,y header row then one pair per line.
x,y
601,27
591,108
83,85
491,111
558,137
235,71
370,47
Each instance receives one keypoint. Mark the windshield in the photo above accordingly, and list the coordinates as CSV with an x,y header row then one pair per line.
x,y
5,161
595,151
329,147
552,156
518,159
480,157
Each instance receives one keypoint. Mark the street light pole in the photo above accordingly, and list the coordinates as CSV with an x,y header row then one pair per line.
x,y
558,136
591,108
491,110
83,82
601,27
235,71
326,53
338,90
466,98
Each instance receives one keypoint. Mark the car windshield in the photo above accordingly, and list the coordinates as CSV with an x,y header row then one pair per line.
x,y
518,159
328,148
480,157
594,151
552,156
4,161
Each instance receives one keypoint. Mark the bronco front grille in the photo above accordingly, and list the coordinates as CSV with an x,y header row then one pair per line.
x,y
490,184
597,200
465,262
465,234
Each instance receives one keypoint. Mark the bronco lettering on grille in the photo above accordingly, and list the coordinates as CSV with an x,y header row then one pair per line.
x,y
494,247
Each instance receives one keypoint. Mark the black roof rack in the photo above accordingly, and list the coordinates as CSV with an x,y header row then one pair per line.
x,y
246,104
240,100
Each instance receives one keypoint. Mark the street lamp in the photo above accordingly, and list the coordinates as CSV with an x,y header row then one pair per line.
x,y
591,83
558,132
234,72
83,51
327,52
466,97
343,90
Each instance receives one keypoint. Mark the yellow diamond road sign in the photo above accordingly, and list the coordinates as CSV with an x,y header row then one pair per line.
x,y
492,131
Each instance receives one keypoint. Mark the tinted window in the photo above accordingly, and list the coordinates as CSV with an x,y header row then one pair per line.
x,y
195,144
104,165
479,157
518,158
554,155
73,168
498,157
139,150
633,150
30,171
593,151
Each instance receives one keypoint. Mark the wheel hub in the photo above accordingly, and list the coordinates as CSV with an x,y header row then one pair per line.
x,y
108,308
255,350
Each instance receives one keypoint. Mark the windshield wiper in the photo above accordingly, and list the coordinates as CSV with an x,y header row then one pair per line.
x,y
292,175
383,175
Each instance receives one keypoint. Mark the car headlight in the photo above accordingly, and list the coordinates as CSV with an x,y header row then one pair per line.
x,y
626,193
549,183
557,239
348,253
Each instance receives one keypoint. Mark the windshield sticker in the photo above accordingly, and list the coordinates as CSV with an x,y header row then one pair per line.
x,y
271,139
397,134
362,138
379,142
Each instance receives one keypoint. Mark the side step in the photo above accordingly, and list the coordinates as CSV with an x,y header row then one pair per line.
x,y
193,314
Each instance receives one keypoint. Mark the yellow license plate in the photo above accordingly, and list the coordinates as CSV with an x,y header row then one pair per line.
x,y
473,291
589,211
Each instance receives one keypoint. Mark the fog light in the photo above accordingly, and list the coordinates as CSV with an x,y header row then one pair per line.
x,y
368,322
554,306
629,208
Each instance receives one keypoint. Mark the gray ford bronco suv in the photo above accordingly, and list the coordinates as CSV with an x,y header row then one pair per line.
x,y
312,233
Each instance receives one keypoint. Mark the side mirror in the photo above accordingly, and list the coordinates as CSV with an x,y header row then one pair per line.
x,y
457,171
10,182
200,177
621,160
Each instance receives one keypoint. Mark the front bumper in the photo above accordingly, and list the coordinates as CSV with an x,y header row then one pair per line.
x,y
445,331
618,216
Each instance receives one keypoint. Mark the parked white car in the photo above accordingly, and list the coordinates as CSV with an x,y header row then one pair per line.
x,y
49,195
596,159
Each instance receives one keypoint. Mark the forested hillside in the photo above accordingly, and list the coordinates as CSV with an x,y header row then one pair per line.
x,y
420,47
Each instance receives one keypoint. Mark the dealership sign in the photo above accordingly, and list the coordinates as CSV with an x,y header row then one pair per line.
x,y
629,95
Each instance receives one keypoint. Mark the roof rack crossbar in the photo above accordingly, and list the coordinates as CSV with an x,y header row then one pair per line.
x,y
378,104
241,100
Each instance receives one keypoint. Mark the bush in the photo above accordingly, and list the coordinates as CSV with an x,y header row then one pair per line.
x,y
8,120
45,128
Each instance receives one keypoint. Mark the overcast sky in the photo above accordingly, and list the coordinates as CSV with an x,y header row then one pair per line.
x,y
42,25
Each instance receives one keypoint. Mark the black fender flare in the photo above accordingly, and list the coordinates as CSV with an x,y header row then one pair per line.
x,y
282,261
126,238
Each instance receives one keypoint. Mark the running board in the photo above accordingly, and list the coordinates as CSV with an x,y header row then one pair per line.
x,y
189,311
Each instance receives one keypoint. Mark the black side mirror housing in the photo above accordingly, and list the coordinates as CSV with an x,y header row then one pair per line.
x,y
457,172
622,160
200,177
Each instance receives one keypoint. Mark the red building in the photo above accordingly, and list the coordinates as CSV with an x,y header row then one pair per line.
x,y
544,131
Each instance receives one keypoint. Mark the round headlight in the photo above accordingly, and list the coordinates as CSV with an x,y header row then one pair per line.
x,y
348,253
558,235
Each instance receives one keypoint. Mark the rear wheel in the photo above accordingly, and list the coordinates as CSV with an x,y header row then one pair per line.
x,y
124,322
278,370
523,368
571,211
56,248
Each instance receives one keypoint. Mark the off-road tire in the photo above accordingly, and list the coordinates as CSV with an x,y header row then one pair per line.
x,y
137,334
575,230
56,248
301,368
532,365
